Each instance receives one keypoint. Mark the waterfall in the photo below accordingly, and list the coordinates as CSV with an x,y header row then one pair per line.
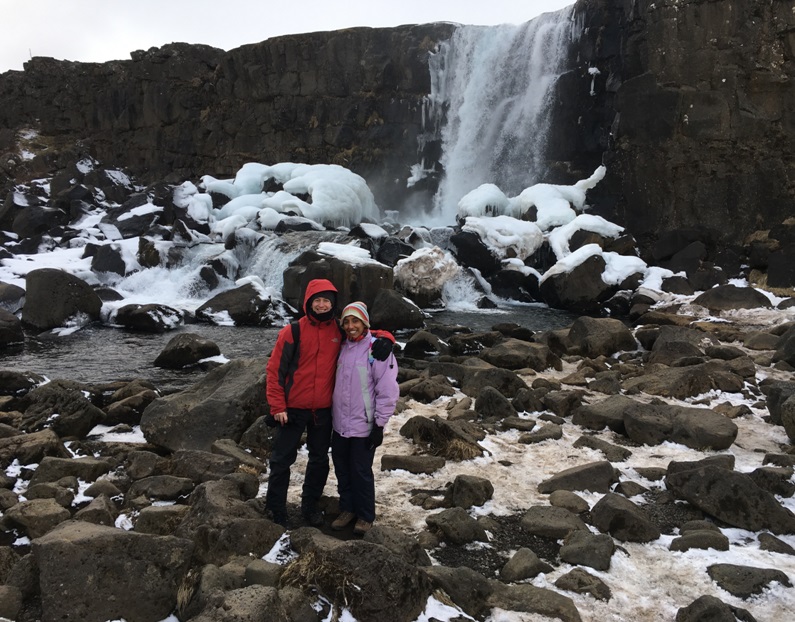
x,y
490,105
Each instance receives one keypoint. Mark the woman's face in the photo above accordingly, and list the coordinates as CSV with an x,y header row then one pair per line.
x,y
353,327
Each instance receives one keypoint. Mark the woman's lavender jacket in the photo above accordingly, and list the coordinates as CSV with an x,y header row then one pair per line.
x,y
360,378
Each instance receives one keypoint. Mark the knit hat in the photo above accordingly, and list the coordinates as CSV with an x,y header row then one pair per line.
x,y
357,309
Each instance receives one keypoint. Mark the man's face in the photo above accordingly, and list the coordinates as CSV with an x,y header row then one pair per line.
x,y
321,305
353,327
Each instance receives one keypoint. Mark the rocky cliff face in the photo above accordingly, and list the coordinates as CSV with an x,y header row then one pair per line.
x,y
351,97
692,110
700,100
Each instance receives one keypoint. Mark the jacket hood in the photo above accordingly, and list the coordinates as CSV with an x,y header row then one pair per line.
x,y
316,286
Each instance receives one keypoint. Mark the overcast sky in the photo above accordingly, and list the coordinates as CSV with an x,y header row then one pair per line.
x,y
100,30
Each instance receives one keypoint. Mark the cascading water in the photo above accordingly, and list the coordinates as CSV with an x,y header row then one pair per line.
x,y
489,105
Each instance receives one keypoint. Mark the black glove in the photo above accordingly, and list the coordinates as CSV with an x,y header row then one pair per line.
x,y
376,437
381,348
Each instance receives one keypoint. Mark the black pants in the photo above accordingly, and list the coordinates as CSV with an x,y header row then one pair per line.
x,y
353,465
285,450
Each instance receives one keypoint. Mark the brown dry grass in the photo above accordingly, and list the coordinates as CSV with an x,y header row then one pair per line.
x,y
314,571
458,449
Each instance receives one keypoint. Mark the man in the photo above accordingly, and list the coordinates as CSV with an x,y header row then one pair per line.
x,y
300,385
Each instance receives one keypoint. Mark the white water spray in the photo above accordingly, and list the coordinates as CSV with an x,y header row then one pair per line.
x,y
494,85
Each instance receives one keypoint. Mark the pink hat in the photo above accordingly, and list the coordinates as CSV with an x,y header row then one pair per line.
x,y
357,309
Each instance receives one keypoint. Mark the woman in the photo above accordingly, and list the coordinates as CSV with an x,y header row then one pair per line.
x,y
365,394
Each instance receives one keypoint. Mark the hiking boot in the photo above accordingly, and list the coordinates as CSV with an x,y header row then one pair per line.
x,y
313,518
279,517
361,527
343,520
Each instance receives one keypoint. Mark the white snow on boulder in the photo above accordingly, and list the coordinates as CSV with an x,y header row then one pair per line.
x,y
506,236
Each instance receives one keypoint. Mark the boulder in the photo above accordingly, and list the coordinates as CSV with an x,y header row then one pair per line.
x,y
528,598
582,582
391,250
53,469
731,497
160,520
247,602
622,519
353,282
551,522
63,406
683,382
110,258
785,348
507,382
222,525
161,488
473,253
10,329
699,428
595,477
412,464
457,527
203,466
729,297
148,318
700,539
427,390
37,219
54,297
134,217
547,432
35,517
712,608
129,409
606,413
613,453
121,565
467,588
593,337
186,349
524,564
453,440
788,417
391,311
243,306
472,344
12,297
395,589
100,511
777,393
31,448
493,405
746,581
516,354
423,274
400,543
62,493
423,343
581,290
222,405
588,549
467,491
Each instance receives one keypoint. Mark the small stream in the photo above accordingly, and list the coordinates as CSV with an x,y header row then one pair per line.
x,y
100,354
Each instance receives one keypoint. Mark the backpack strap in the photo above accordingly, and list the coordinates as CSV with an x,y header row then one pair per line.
x,y
290,361
295,327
